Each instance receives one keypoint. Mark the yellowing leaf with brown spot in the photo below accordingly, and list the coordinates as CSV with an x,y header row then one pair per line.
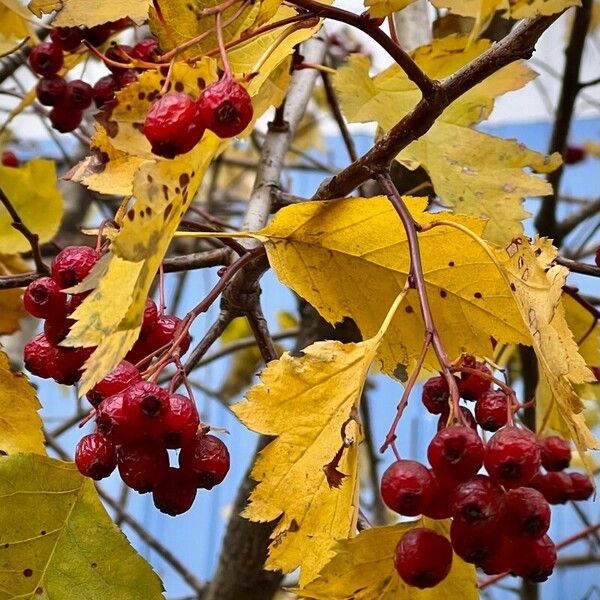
x,y
363,569
20,423
73,13
309,403
350,258
472,172
33,193
383,8
11,301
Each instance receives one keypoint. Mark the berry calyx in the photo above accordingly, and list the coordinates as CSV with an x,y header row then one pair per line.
x,y
556,453
142,466
423,558
50,90
118,380
145,405
435,395
44,300
225,108
472,385
72,264
95,456
526,514
534,559
407,487
207,459
46,59
491,410
78,94
175,494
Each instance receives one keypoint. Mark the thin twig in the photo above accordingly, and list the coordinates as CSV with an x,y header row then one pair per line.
x,y
578,267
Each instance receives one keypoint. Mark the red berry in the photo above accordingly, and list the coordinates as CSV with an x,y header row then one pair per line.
x,y
44,300
104,90
500,560
63,119
146,50
207,459
124,78
97,35
471,385
46,59
455,453
175,494
512,457
95,456
534,559
69,364
163,333
9,159
57,331
466,414
50,90
526,514
118,380
118,53
67,38
407,487
145,405
40,356
150,317
180,422
582,486
556,486
439,507
574,155
491,410
423,558
72,264
143,466
225,108
478,501
475,543
435,395
556,453
78,94
173,125
111,421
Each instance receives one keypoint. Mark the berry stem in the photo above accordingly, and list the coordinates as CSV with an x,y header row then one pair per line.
x,y
222,51
161,291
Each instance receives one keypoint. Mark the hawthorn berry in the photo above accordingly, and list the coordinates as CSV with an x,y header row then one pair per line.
x,y
63,119
534,559
95,456
466,414
582,486
142,465
474,544
491,410
574,155
125,77
180,422
556,453
78,94
175,494
225,108
407,487
207,458
67,38
439,507
423,557
118,53
72,264
57,331
111,421
145,405
69,363
472,385
435,395
46,59
50,90
526,514
104,90
500,560
173,125
40,356
146,50
118,380
150,317
44,300
512,457
9,159
555,486
98,34
478,501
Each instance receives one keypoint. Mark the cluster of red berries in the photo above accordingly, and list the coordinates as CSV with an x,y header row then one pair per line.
x,y
9,159
499,520
137,422
176,122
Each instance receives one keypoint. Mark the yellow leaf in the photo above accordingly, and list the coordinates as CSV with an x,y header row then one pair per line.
x,y
585,328
59,542
11,303
79,12
593,148
13,27
34,195
383,8
363,569
472,172
20,423
350,258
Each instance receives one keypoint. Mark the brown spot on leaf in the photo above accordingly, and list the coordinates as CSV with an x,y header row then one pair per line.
x,y
451,263
184,179
167,212
141,95
39,591
443,293
178,86
27,572
131,214
477,294
93,565
409,309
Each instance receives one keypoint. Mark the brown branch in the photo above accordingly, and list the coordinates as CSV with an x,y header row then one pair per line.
x,y
260,329
578,267
564,227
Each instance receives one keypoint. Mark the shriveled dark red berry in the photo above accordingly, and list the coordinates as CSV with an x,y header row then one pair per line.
x,y
574,155
118,53
175,494
440,505
162,334
123,376
44,300
467,416
555,486
173,125
98,34
423,558
46,59
145,405
472,385
50,90
40,356
407,487
150,317
104,90
142,466
475,543
126,77
456,453
478,501
69,364
225,108
9,159
207,459
180,421
526,514
95,456
582,486
68,38
65,119
534,559
556,453
57,331
512,457
111,421
435,395
78,94
500,560
72,264
146,50
491,410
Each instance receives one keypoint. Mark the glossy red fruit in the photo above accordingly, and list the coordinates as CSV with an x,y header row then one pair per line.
x,y
175,494
526,514
163,333
142,466
582,486
95,456
556,453
104,90
69,364
225,108
118,380
180,422
512,457
146,50
72,264
150,317
207,459
491,410
534,559
67,38
423,558
556,486
475,544
50,90
173,125
118,53
40,356
478,501
145,405
574,155
111,421
500,560
407,487
435,395
64,119
471,385
126,77
98,34
57,331
440,505
466,414
46,59
44,300
455,453
9,159
78,94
